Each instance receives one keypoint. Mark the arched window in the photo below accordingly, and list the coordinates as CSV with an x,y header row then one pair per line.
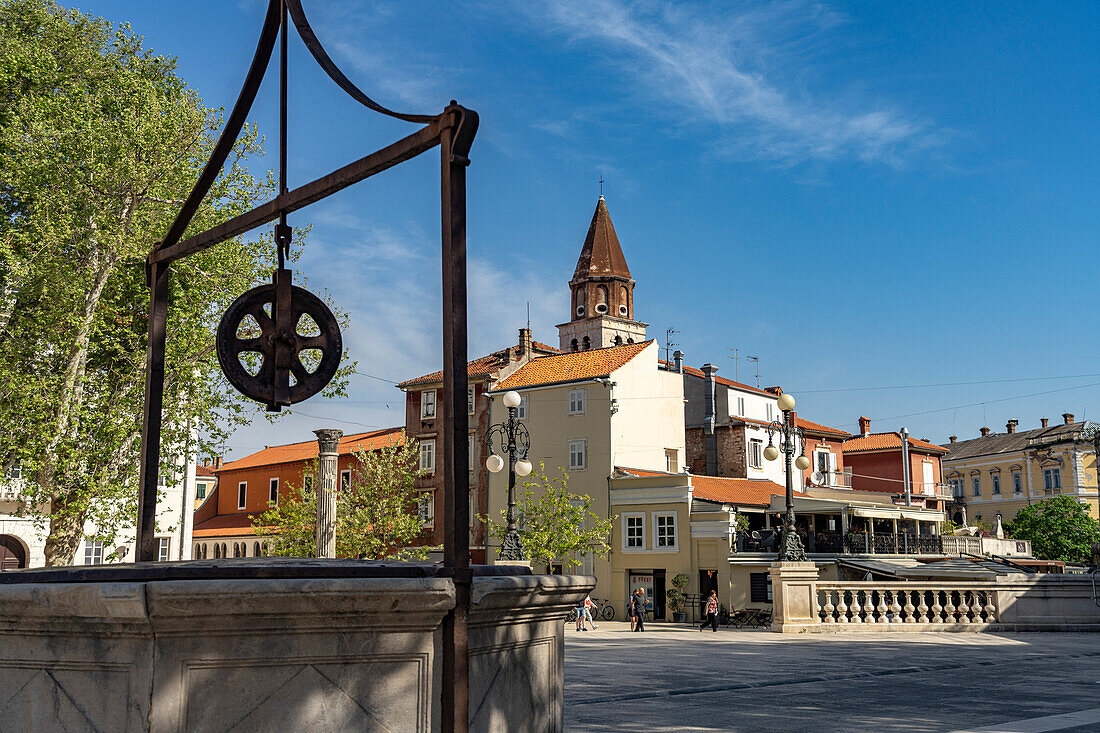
x,y
236,550
630,341
256,549
205,551
225,550
198,552
618,340
601,299
217,551
587,343
573,343
579,304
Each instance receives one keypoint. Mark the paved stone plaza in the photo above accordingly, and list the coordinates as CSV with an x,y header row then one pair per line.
x,y
674,678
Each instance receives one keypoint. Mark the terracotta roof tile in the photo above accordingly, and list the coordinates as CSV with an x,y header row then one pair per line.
x,y
481,367
819,428
205,471
225,525
741,491
572,366
887,441
307,450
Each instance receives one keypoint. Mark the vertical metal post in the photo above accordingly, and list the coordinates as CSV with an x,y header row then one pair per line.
x,y
328,444
456,448
157,275
906,478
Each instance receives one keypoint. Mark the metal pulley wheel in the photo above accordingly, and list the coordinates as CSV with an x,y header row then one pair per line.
x,y
274,339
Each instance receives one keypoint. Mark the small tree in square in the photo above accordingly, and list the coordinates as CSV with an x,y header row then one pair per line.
x,y
377,514
1059,528
555,525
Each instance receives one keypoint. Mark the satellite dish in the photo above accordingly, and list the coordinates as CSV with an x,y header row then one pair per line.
x,y
818,478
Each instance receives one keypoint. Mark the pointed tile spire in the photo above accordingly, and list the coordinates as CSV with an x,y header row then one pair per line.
x,y
601,256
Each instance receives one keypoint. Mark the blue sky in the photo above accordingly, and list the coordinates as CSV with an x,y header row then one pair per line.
x,y
861,194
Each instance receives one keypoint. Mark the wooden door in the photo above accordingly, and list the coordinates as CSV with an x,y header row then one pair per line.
x,y
12,555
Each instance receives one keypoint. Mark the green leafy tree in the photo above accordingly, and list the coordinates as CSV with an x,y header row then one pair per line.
x,y
100,142
1059,528
556,525
377,516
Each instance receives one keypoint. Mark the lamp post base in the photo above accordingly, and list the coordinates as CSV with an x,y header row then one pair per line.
x,y
512,548
791,549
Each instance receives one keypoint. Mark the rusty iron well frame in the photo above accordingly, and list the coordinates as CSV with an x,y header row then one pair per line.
x,y
453,131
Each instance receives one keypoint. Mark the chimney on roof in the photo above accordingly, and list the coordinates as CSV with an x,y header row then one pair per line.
x,y
525,342
678,361
953,438
218,462
1044,421
985,431
1010,426
865,426
1068,417
709,417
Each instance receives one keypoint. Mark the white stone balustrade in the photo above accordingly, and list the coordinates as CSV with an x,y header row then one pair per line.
x,y
867,602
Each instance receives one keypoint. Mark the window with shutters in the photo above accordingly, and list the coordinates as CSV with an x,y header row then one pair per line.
x,y
427,404
576,401
760,588
427,456
578,457
756,453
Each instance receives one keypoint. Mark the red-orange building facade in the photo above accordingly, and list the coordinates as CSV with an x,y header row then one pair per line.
x,y
876,464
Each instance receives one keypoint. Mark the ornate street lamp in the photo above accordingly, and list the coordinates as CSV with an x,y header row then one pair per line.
x,y
791,440
513,439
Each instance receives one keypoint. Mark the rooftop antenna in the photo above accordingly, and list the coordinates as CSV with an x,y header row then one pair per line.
x,y
528,315
736,359
755,359
669,344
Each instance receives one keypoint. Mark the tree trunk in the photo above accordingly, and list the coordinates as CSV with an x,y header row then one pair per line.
x,y
66,533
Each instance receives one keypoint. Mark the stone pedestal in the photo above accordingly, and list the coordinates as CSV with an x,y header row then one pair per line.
x,y
794,596
279,651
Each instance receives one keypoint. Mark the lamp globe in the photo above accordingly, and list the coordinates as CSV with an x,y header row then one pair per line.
x,y
523,467
802,463
511,399
771,453
786,402
494,463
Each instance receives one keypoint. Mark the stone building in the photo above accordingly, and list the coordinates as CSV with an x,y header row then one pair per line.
x,y
1000,473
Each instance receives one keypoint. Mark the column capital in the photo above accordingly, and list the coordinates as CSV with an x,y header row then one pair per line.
x,y
328,439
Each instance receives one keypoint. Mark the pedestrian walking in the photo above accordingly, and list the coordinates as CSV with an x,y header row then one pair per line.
x,y
578,612
711,610
586,608
639,610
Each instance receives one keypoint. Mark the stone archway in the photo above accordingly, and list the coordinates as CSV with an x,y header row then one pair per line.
x,y
13,555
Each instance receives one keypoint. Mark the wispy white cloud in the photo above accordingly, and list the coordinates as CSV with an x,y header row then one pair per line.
x,y
744,72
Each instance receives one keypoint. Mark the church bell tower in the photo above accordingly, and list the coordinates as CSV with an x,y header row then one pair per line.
x,y
601,292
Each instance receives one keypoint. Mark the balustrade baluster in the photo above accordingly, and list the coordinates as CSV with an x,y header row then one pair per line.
x,y
895,607
841,608
949,607
964,608
909,608
990,608
937,609
855,607
882,608
922,608
830,609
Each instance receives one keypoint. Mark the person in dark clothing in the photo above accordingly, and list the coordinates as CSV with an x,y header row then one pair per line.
x,y
711,610
638,600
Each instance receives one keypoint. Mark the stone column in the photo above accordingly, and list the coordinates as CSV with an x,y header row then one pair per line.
x,y
794,596
327,442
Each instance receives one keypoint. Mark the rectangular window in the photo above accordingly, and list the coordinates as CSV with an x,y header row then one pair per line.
x,y
427,404
576,402
1052,479
771,411
164,549
740,406
307,482
672,460
15,470
93,552
521,411
760,588
1017,482
345,479
956,487
756,453
470,399
633,531
427,456
273,491
664,531
426,508
976,485
577,455
200,491
242,494
995,482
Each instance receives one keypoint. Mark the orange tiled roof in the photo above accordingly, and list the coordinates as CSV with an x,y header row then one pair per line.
x,y
887,441
572,366
307,450
743,491
225,525
480,367
818,427
205,471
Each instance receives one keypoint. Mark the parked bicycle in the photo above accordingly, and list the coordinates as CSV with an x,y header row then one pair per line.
x,y
601,608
